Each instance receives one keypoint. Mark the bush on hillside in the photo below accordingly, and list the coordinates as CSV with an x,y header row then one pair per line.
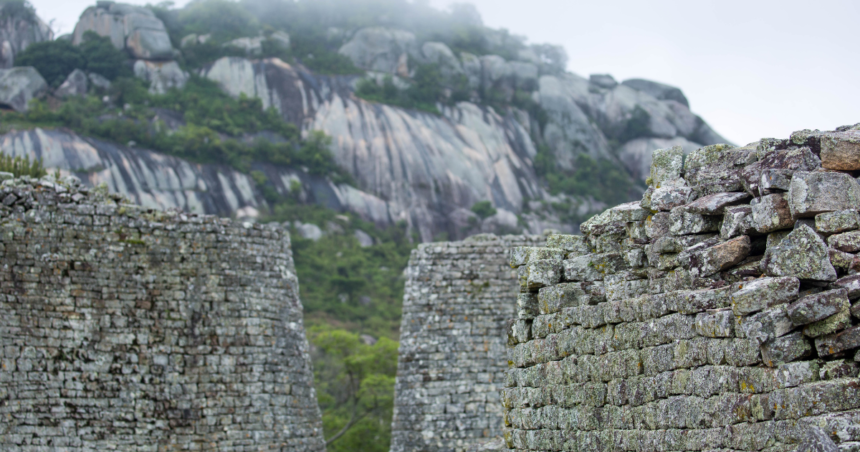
x,y
103,58
484,209
21,166
53,59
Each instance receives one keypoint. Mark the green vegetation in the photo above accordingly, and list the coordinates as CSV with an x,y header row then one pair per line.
x,y
484,209
355,389
601,179
21,166
55,60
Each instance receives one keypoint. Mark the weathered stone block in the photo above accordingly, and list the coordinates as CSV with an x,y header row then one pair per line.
x,y
836,222
555,298
763,293
715,324
817,440
841,150
736,221
830,325
614,219
771,171
685,223
848,242
851,284
571,244
814,193
785,349
771,213
592,267
802,254
658,225
544,272
813,308
667,198
717,203
666,164
839,342
527,306
840,368
522,255
841,259
714,259
767,325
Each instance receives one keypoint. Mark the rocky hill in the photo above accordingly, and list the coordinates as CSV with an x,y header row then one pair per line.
x,y
429,118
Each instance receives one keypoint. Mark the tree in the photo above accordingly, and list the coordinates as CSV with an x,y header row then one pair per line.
x,y
355,383
53,59
102,57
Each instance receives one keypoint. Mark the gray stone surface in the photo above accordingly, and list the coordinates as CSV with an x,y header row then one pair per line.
x,y
147,331
841,150
452,363
836,222
764,293
19,85
815,307
19,31
133,28
161,75
814,193
802,254
771,213
74,85
381,49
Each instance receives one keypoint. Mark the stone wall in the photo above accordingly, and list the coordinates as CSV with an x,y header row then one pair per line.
x,y
127,329
457,299
714,315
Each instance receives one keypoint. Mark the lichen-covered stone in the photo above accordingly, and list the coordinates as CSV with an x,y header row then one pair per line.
x,y
717,165
767,325
848,242
658,225
716,324
816,440
763,293
669,197
614,219
775,164
544,272
785,349
774,180
815,307
841,150
710,260
736,221
685,223
716,203
774,238
555,298
802,254
836,343
522,255
830,325
839,368
575,244
666,164
771,213
527,306
836,222
841,259
850,284
592,267
814,193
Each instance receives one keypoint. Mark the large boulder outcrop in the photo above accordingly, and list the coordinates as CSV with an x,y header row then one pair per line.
x,y
133,28
74,85
19,27
381,50
19,85
658,90
161,75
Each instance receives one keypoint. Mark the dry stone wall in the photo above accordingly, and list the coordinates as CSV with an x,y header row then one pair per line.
x,y
452,363
720,313
127,329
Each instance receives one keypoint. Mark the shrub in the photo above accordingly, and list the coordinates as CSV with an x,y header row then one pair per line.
x,y
21,166
53,59
103,58
484,209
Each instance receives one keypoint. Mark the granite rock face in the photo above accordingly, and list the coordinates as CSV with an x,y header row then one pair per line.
x,y
133,28
19,85
161,75
147,331
17,32
707,344
451,365
74,85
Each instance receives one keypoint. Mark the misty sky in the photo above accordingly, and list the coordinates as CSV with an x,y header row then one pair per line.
x,y
750,68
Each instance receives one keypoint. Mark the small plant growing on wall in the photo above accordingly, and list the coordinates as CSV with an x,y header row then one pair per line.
x,y
21,166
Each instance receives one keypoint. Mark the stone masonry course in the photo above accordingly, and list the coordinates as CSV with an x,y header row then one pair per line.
x,y
128,329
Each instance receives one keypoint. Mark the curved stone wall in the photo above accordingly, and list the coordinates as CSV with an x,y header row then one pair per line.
x,y
127,329
720,313
451,365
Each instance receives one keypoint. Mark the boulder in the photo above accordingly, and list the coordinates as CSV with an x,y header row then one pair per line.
x,y
814,193
133,28
18,85
441,56
658,90
18,31
380,49
162,76
605,81
74,85
281,38
98,81
802,254
364,239
841,150
636,155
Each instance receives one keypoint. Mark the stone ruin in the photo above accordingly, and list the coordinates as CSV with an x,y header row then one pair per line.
x,y
714,315
452,363
128,329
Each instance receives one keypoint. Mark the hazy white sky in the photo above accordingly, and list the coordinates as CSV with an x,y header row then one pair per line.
x,y
750,68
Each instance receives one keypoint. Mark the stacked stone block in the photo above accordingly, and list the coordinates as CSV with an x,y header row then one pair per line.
x,y
125,329
719,313
458,298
